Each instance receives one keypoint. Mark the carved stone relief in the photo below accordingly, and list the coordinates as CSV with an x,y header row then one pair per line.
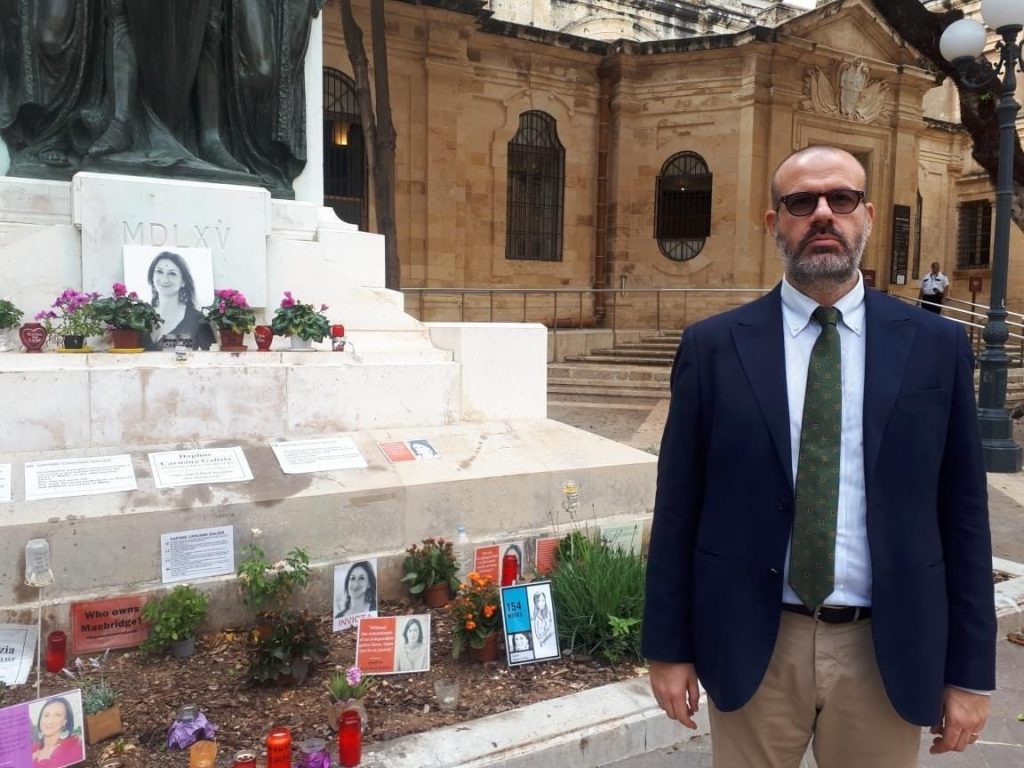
x,y
848,93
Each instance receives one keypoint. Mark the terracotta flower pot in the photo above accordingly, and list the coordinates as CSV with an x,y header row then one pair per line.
x,y
231,341
33,336
126,338
437,595
103,724
489,652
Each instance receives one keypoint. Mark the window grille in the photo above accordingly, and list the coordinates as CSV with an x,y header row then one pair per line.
x,y
682,217
345,167
536,190
974,235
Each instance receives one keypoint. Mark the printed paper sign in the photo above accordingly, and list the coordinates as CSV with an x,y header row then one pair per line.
x,y
188,555
86,476
396,452
394,644
487,562
417,449
5,483
528,616
172,469
627,538
17,653
355,593
55,720
299,456
544,560
101,624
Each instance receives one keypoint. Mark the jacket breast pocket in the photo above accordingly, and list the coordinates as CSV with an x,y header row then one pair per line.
x,y
922,400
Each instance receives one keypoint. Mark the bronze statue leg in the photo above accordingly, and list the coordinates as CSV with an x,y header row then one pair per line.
x,y
117,137
208,81
55,25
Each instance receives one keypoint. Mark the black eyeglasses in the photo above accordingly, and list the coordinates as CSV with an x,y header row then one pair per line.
x,y
804,203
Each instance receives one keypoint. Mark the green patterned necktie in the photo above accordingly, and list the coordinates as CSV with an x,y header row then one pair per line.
x,y
813,558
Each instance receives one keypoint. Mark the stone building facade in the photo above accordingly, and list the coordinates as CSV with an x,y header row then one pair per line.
x,y
531,158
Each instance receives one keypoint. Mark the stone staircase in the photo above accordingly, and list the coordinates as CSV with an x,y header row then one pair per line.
x,y
631,372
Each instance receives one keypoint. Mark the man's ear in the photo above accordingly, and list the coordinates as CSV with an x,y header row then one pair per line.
x,y
770,219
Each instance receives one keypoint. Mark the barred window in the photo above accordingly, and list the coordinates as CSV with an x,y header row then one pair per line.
x,y
345,167
974,235
682,217
536,190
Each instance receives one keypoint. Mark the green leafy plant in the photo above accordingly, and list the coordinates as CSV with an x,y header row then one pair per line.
x,y
432,562
293,318
598,595
124,310
10,315
267,585
347,685
573,545
284,647
97,697
72,314
230,311
173,617
475,613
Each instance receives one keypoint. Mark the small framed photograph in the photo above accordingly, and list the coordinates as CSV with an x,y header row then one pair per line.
x,y
355,592
531,632
390,645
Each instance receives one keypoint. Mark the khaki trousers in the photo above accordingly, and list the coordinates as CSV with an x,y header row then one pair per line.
x,y
822,683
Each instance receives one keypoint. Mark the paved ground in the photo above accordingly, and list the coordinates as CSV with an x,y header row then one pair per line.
x,y
1002,744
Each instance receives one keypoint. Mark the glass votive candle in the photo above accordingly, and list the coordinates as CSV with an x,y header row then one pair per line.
x,y
56,651
447,691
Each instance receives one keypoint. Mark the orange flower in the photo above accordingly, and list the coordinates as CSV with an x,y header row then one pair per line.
x,y
470,626
489,610
469,616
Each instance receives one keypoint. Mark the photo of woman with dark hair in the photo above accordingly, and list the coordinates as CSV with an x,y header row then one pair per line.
x,y
54,740
360,590
174,296
413,654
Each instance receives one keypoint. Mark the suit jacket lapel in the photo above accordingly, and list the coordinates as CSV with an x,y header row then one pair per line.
x,y
890,335
757,335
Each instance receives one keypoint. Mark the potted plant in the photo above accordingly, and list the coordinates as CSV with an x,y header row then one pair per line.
x,y
304,323
232,316
431,570
173,620
476,618
346,690
102,712
126,316
10,318
72,317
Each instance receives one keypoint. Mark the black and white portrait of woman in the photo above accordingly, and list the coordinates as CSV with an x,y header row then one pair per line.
x,y
542,621
355,593
423,449
412,644
179,283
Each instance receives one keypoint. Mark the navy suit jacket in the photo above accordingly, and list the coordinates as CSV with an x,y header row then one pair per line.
x,y
724,506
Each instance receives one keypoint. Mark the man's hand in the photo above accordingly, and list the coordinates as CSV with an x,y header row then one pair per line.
x,y
963,716
675,688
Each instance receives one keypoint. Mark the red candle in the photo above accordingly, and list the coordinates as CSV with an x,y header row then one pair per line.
x,y
350,739
509,569
56,651
279,748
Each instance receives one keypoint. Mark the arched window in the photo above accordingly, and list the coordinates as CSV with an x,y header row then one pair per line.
x,y
536,190
682,219
345,179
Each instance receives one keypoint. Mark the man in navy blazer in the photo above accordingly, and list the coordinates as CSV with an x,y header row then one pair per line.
x,y
907,636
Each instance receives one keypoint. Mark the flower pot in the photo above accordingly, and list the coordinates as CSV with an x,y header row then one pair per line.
x,y
126,338
231,341
74,341
264,336
336,708
103,725
437,595
183,648
8,339
33,336
301,344
489,651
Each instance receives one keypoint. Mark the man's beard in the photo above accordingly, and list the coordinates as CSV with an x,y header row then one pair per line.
x,y
832,268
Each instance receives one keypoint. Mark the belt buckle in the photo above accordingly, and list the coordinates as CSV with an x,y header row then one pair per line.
x,y
854,618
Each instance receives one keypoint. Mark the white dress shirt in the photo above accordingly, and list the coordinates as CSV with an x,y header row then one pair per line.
x,y
800,331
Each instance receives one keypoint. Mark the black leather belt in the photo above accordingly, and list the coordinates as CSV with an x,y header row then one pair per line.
x,y
831,614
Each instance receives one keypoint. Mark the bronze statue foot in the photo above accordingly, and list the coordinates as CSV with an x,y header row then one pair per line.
x,y
214,151
54,157
117,138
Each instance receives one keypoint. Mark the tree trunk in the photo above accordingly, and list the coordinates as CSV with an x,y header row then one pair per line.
x,y
380,141
922,29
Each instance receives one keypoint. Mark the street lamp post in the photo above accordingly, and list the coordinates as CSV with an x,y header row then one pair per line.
x,y
962,44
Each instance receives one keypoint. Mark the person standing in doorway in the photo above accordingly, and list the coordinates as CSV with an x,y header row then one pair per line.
x,y
934,289
820,555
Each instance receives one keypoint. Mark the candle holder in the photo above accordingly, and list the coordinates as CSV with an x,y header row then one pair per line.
x,y
447,691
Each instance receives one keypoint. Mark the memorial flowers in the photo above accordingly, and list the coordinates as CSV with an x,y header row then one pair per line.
x,y
475,613
72,314
230,311
267,585
10,315
125,311
432,562
293,318
349,685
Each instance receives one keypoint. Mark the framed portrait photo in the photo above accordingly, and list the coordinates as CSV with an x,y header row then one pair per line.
x,y
531,633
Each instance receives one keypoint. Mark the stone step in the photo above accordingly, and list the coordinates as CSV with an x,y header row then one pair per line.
x,y
594,371
624,359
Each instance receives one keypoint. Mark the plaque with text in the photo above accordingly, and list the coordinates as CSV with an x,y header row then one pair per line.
x,y
172,469
187,555
86,476
299,456
900,240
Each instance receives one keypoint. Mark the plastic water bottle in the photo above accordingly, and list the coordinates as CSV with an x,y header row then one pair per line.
x,y
464,553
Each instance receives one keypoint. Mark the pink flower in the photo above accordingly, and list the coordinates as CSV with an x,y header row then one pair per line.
x,y
353,675
323,307
222,306
288,301
119,290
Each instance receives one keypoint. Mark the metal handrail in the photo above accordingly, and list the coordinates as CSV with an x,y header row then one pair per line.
x,y
974,317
